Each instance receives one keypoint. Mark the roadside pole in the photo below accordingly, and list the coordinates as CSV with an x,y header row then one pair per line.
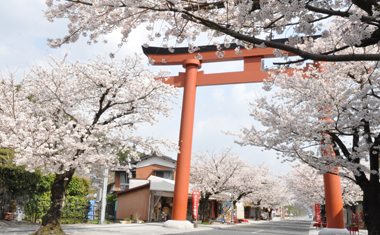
x,y
104,197
232,210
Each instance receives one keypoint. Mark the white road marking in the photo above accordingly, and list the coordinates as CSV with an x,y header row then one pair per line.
x,y
258,231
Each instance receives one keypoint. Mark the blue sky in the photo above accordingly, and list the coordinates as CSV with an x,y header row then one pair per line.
x,y
24,31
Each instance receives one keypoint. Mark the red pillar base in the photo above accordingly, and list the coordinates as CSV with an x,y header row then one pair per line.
x,y
182,224
333,231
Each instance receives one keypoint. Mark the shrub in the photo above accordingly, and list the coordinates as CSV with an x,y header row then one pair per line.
x,y
77,190
12,206
111,199
78,186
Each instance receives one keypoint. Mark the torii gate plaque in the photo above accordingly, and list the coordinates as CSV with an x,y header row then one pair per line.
x,y
189,81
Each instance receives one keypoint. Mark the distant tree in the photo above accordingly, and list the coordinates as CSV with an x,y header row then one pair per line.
x,y
225,175
308,186
125,156
271,192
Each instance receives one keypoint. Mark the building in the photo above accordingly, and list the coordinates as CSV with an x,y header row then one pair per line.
x,y
148,200
148,194
152,164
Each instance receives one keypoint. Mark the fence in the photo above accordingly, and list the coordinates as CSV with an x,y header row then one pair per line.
x,y
72,212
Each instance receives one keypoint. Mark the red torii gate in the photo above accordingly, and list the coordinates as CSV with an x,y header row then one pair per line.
x,y
193,78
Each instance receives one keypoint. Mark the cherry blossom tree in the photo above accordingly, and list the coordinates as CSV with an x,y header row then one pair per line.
x,y
308,186
225,175
270,192
336,108
247,22
214,174
76,116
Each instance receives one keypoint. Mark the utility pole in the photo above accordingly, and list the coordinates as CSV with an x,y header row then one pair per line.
x,y
104,197
232,209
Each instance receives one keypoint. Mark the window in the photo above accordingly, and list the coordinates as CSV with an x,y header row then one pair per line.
x,y
124,178
165,174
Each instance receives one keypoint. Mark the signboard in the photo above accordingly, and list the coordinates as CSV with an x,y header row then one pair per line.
x,y
195,204
318,218
226,212
239,210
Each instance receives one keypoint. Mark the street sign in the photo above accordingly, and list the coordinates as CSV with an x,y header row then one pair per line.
x,y
195,204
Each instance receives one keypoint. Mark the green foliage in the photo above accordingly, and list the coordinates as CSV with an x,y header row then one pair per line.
x,y
205,223
18,181
12,206
6,157
79,186
111,199
123,156
21,182
77,190
43,206
294,210
135,217
127,219
75,207
107,221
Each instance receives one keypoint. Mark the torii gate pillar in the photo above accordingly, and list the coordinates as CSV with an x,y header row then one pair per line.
x,y
181,187
182,178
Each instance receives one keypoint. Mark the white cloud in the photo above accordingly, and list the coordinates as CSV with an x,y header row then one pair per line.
x,y
218,94
242,96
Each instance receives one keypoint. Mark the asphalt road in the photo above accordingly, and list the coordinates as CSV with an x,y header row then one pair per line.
x,y
291,227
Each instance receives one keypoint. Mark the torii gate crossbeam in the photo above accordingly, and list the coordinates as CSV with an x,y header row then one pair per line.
x,y
190,80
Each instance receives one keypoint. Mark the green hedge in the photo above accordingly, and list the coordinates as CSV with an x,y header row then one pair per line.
x,y
82,206
18,181
68,214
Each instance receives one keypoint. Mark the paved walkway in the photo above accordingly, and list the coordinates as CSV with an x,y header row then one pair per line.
x,y
21,228
315,231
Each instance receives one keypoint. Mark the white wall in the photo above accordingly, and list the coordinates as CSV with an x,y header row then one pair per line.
x,y
155,160
133,183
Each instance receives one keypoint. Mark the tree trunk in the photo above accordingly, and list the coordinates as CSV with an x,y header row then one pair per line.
x,y
204,208
257,213
270,213
51,222
371,208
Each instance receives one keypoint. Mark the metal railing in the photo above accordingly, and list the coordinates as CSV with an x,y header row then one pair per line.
x,y
72,212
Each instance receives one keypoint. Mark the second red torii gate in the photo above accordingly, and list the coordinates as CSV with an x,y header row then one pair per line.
x,y
193,78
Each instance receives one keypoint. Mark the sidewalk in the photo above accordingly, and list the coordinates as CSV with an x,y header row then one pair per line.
x,y
315,231
22,228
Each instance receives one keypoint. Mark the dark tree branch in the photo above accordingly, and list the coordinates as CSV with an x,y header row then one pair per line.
x,y
273,44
